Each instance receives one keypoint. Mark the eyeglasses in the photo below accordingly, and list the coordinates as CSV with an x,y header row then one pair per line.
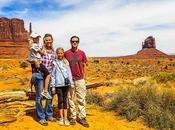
x,y
75,41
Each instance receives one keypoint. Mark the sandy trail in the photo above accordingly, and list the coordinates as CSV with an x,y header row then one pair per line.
x,y
97,118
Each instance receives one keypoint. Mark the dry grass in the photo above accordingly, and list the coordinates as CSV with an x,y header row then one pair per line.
x,y
157,108
129,99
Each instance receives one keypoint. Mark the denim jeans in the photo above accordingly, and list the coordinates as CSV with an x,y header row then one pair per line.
x,y
42,113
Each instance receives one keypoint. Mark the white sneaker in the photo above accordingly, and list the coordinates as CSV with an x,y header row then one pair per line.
x,y
66,122
61,121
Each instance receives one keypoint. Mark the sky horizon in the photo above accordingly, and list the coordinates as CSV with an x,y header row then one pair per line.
x,y
105,27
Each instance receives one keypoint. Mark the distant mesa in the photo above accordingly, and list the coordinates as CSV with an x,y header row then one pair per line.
x,y
149,49
13,38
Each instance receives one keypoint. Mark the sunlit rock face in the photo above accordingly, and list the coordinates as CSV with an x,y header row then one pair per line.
x,y
13,38
149,42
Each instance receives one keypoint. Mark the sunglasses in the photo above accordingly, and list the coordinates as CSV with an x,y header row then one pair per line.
x,y
75,41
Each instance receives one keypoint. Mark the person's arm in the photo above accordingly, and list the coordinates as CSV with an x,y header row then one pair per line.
x,y
53,77
70,75
84,71
41,51
84,65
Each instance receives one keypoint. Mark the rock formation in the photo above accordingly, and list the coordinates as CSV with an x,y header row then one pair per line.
x,y
13,38
149,49
150,53
149,42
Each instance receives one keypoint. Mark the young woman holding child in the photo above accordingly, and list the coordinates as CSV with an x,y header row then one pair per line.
x,y
41,78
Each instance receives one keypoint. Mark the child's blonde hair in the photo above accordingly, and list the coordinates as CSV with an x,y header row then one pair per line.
x,y
66,63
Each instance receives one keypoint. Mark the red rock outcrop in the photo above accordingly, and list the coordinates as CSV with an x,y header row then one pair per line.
x,y
150,53
149,49
13,38
149,42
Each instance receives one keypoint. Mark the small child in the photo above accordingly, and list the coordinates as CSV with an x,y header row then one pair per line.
x,y
61,71
34,58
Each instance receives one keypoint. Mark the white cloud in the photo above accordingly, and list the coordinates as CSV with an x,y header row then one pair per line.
x,y
110,27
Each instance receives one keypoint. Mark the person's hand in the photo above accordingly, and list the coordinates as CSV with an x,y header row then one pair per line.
x,y
73,86
84,76
41,51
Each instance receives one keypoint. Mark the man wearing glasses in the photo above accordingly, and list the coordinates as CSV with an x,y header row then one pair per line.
x,y
77,60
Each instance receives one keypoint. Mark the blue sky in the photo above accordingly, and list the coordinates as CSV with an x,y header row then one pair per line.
x,y
105,27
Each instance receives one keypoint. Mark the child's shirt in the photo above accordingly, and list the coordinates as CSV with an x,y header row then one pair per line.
x,y
34,54
57,78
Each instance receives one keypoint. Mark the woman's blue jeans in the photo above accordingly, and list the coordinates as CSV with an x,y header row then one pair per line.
x,y
46,112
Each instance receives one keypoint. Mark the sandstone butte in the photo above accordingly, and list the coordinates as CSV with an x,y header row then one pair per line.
x,y
13,38
148,50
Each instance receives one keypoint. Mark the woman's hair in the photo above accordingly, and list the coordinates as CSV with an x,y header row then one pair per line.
x,y
48,35
66,63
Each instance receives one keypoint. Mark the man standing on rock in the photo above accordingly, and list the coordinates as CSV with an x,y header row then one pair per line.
x,y
77,60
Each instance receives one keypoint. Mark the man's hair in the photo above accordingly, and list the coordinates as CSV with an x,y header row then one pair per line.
x,y
74,37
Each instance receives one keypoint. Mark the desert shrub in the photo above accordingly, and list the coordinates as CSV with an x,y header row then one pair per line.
x,y
24,81
163,78
170,59
156,108
23,65
158,62
156,117
129,109
126,104
96,61
127,63
171,64
166,67
168,101
5,67
94,98
111,62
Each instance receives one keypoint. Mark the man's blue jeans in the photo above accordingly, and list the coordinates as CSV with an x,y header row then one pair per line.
x,y
42,113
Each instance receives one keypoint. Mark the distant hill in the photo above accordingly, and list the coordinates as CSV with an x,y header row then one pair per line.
x,y
150,53
148,50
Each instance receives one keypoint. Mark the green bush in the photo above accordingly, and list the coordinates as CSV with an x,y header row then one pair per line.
x,y
156,108
24,81
125,104
5,67
96,61
94,98
163,78
23,65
